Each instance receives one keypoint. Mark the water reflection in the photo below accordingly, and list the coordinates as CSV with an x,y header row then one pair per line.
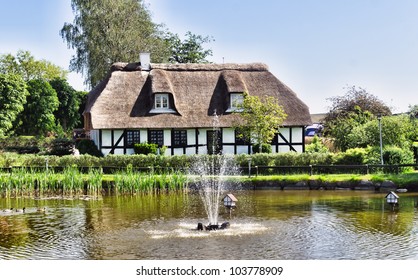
x,y
266,225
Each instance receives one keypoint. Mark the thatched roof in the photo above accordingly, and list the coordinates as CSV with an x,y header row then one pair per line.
x,y
124,99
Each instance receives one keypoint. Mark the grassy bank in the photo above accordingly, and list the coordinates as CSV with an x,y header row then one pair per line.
x,y
400,180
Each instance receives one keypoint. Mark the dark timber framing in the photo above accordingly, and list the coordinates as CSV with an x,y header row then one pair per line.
x,y
118,136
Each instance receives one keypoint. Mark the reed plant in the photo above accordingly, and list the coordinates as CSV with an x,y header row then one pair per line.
x,y
72,181
129,182
5,184
94,181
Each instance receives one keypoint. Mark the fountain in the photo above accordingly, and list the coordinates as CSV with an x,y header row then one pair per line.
x,y
211,182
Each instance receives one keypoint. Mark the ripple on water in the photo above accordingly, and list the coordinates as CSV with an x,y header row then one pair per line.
x,y
55,235
188,230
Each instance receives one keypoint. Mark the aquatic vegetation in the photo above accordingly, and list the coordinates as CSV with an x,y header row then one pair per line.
x,y
129,182
70,182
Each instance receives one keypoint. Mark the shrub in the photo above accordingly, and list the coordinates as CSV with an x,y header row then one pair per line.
x,y
85,160
60,147
395,155
242,159
265,148
176,161
145,148
87,146
20,144
316,146
316,158
285,159
262,159
352,156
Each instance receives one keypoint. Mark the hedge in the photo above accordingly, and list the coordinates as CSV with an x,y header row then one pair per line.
x,y
359,156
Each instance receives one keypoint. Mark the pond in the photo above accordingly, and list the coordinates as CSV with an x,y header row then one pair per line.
x,y
267,224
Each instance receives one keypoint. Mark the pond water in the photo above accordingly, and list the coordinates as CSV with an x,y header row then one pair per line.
x,y
290,225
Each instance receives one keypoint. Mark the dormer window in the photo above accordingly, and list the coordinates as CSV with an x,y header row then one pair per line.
x,y
236,100
162,103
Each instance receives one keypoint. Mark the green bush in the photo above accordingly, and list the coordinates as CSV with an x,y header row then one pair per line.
x,y
262,159
85,160
175,162
87,146
316,146
265,148
395,155
21,144
242,159
60,147
352,156
285,159
315,158
145,148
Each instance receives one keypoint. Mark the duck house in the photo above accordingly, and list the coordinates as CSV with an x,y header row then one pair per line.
x,y
392,198
230,201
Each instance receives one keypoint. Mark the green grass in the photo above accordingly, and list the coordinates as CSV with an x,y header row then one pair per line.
x,y
401,180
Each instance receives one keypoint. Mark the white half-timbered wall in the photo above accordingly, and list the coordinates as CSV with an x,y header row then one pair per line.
x,y
114,141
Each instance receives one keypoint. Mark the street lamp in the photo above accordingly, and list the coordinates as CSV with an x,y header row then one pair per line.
x,y
379,118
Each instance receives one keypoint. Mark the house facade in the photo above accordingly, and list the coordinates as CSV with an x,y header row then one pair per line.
x,y
189,108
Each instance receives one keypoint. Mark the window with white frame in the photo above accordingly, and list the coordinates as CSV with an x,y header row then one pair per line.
x,y
236,101
161,103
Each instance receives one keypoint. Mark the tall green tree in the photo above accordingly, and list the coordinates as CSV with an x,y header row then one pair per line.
x,y
261,117
12,99
67,115
340,129
108,31
190,50
399,131
354,98
37,117
25,65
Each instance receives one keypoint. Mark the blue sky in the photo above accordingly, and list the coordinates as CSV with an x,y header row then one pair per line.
x,y
316,47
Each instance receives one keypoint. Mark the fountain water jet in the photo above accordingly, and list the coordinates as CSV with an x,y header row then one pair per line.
x,y
213,170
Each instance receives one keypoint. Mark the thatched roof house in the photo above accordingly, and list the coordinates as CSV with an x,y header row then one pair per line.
x,y
166,97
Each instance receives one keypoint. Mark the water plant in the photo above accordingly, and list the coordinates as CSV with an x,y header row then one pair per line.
x,y
72,181
94,181
129,182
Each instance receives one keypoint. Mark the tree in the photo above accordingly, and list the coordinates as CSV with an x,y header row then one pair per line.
x,y
37,117
25,65
399,131
413,111
190,50
12,99
355,97
340,129
361,130
67,115
82,97
108,31
261,118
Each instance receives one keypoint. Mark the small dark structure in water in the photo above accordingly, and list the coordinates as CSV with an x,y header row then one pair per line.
x,y
224,225
392,199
